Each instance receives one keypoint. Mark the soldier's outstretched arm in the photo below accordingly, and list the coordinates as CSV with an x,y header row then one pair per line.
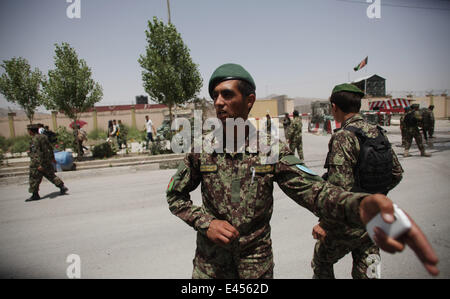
x,y
185,180
329,201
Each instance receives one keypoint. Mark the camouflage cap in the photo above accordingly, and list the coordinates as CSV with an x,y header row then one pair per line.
x,y
414,106
229,71
347,87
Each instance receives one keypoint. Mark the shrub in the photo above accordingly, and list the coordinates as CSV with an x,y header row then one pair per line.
x,y
2,157
4,144
97,134
66,138
20,144
103,150
136,135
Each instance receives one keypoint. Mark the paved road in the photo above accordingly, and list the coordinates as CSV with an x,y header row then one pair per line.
x,y
120,227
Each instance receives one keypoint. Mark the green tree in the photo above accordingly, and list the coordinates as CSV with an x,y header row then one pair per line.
x,y
70,88
22,86
170,76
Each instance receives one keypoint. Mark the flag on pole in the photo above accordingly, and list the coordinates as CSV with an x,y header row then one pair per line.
x,y
361,64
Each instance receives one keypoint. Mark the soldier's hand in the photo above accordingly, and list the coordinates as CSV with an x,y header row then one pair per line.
x,y
40,168
319,233
221,232
377,203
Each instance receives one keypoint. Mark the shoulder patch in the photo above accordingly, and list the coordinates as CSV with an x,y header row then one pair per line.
x,y
305,169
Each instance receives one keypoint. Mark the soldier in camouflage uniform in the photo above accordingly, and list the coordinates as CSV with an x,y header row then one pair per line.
x,y
413,120
41,159
295,135
335,239
428,124
403,126
232,224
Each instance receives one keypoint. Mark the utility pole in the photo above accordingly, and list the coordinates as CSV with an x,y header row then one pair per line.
x,y
168,9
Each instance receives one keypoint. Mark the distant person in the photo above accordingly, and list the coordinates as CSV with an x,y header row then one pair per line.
x,y
403,126
286,123
413,120
110,130
428,124
122,134
41,163
295,135
150,130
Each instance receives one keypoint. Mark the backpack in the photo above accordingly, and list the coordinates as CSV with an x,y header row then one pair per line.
x,y
373,171
410,119
52,138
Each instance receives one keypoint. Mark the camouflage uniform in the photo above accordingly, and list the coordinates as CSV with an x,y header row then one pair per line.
x,y
295,136
428,123
342,238
41,154
238,188
403,129
413,132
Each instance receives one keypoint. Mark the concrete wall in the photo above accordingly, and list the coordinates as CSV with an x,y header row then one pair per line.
x,y
21,122
262,107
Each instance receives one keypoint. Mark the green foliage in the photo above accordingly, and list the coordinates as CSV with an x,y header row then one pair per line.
x,y
103,150
136,135
2,157
22,86
4,144
20,144
97,135
66,138
170,76
69,87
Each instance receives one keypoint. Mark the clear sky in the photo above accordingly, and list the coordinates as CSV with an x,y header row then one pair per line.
x,y
301,48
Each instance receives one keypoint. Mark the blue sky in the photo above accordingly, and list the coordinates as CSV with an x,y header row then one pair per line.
x,y
301,48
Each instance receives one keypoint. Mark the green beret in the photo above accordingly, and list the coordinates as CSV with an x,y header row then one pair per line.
x,y
347,87
229,71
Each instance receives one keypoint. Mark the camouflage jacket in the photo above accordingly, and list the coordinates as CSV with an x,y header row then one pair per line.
x,y
343,156
238,188
41,151
295,129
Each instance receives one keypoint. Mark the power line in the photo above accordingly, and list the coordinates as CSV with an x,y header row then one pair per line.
x,y
398,5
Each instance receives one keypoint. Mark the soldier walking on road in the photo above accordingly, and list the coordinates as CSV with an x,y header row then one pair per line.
x,y
295,135
428,124
344,162
403,126
233,230
412,121
41,159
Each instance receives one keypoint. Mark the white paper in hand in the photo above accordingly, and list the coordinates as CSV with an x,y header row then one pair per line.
x,y
394,230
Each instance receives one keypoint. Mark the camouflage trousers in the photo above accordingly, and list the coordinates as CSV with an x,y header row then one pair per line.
x,y
414,133
297,144
216,262
36,178
366,257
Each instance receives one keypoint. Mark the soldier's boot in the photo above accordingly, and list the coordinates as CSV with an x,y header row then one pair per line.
x,y
63,190
406,153
33,197
424,154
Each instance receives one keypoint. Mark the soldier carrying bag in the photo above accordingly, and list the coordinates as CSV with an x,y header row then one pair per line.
x,y
373,171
